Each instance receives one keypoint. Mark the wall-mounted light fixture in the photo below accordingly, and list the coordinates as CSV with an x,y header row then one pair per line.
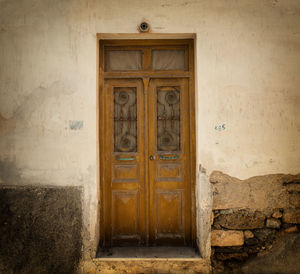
x,y
144,27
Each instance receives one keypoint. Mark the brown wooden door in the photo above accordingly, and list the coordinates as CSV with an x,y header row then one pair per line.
x,y
147,143
170,189
124,195
147,186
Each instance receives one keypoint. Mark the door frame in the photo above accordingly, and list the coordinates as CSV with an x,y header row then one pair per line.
x,y
146,39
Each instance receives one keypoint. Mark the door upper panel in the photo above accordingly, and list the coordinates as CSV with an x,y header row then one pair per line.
x,y
148,58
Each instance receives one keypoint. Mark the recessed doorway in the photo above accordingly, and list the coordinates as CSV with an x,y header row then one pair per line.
x,y
147,143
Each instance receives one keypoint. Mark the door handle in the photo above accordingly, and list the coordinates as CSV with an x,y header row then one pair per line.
x,y
152,157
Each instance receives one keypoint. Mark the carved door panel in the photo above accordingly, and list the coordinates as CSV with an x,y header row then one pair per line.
x,y
170,190
124,206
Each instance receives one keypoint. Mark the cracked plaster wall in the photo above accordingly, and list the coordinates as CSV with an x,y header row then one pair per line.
x,y
247,86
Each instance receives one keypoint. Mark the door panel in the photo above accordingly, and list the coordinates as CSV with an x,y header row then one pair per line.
x,y
124,196
125,215
169,172
169,216
125,173
169,178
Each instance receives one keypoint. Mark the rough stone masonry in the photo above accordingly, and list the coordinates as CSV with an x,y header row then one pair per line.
x,y
255,218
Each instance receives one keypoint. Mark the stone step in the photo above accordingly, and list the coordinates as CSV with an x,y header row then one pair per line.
x,y
146,265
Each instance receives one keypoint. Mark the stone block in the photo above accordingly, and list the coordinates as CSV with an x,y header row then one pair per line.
x,y
241,219
291,216
248,234
273,223
292,229
227,238
147,265
265,234
277,214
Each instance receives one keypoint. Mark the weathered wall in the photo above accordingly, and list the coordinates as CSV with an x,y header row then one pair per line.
x,y
40,229
247,85
255,216
256,193
203,217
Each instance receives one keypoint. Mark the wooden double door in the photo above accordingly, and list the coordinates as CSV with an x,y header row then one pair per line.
x,y
146,194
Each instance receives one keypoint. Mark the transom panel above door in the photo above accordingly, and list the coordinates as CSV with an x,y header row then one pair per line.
x,y
147,143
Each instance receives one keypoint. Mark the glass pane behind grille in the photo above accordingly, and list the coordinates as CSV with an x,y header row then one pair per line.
x,y
125,120
168,119
124,60
168,59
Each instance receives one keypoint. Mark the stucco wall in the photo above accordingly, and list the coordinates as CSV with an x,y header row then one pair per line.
x,y
247,85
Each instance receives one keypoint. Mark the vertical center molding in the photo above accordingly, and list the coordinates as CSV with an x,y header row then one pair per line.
x,y
146,82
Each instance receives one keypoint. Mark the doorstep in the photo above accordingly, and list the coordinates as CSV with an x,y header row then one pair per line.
x,y
148,260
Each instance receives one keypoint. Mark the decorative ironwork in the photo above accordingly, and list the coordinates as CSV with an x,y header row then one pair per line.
x,y
125,119
168,119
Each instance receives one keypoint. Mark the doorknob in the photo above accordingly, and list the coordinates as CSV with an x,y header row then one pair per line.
x,y
152,157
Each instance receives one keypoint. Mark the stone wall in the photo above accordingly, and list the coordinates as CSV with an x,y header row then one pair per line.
x,y
40,229
249,215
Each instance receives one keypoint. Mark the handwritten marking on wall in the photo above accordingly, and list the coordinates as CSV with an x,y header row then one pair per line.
x,y
220,127
76,125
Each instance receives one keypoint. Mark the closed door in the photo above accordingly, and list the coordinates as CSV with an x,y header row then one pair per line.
x,y
124,189
146,190
168,160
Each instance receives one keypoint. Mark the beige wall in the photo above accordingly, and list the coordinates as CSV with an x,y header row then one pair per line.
x,y
248,56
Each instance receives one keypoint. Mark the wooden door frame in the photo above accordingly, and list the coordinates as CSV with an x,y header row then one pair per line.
x,y
142,39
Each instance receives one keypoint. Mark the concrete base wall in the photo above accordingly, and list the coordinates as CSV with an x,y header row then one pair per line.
x,y
40,229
